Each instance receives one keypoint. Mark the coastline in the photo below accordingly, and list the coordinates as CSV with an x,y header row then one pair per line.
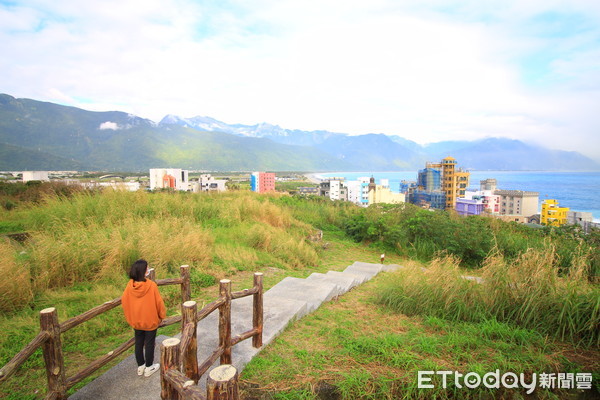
x,y
315,178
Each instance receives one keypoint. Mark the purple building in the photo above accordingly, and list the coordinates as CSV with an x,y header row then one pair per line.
x,y
468,207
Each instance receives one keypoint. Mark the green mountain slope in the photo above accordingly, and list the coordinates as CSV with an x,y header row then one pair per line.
x,y
120,141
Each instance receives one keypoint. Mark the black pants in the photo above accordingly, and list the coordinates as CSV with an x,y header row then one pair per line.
x,y
144,339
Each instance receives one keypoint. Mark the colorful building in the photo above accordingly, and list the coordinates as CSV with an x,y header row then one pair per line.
x,y
467,207
552,214
169,178
442,176
262,182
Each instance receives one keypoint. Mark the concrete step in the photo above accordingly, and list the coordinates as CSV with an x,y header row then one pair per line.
x,y
352,279
318,278
300,289
368,271
392,267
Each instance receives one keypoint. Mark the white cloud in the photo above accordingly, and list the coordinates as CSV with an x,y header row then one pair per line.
x,y
109,125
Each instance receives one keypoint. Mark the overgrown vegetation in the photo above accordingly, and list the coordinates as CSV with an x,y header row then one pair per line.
x,y
417,233
527,292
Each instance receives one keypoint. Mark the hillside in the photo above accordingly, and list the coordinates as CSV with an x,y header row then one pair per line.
x,y
75,138
41,135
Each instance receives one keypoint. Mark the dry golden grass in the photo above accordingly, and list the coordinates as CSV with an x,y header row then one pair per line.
x,y
15,285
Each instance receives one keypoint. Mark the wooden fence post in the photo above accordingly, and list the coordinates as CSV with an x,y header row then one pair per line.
x,y
152,274
190,358
257,312
222,383
53,355
169,359
186,291
225,321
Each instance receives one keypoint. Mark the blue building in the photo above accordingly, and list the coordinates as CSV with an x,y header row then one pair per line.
x,y
429,179
431,199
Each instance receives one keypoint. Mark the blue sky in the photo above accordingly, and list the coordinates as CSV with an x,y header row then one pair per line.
x,y
427,70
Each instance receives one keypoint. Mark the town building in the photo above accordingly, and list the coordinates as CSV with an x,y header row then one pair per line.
x,y
490,201
262,182
208,183
169,178
358,191
468,207
518,202
308,190
552,214
433,199
35,176
445,177
382,193
585,219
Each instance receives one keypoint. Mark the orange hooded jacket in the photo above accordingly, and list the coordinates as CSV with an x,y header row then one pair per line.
x,y
142,305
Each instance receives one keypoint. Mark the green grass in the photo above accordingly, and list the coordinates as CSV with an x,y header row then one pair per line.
x,y
366,352
526,292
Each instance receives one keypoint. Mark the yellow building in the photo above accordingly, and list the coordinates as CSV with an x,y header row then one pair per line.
x,y
552,214
382,194
454,181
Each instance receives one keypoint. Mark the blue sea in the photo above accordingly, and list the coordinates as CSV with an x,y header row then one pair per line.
x,y
580,191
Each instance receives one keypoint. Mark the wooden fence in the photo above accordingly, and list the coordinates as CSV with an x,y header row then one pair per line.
x,y
180,370
49,338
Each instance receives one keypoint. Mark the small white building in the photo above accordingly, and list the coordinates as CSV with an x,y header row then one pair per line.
x,y
35,176
208,183
165,178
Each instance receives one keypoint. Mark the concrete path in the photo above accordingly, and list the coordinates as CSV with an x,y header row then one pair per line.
x,y
287,301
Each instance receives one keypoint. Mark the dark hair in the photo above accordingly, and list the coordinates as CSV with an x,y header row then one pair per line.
x,y
138,270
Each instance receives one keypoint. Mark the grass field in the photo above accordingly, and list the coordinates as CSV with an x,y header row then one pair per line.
x,y
366,345
353,348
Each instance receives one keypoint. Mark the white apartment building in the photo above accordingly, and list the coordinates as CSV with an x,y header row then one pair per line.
x,y
208,183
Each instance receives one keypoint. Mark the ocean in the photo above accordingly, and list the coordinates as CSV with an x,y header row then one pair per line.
x,y
580,191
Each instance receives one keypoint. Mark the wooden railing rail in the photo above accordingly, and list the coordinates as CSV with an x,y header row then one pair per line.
x,y
49,339
23,355
173,382
222,382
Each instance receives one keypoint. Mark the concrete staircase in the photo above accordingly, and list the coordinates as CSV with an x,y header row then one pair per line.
x,y
287,301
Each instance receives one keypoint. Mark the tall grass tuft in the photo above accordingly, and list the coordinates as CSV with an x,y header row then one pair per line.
x,y
15,284
527,291
93,236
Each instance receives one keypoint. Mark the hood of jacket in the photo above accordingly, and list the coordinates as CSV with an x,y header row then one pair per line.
x,y
139,289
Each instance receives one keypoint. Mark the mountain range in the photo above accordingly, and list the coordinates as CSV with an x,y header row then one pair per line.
x,y
37,135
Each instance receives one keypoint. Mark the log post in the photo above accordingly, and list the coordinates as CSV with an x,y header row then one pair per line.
x,y
222,383
225,321
190,358
53,355
169,359
186,291
257,312
152,274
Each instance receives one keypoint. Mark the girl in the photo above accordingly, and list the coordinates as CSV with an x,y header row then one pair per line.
x,y
144,309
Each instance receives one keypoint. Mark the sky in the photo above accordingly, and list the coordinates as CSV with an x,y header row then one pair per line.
x,y
426,70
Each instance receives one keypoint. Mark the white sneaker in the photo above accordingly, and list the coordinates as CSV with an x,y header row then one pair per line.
x,y
151,369
141,369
